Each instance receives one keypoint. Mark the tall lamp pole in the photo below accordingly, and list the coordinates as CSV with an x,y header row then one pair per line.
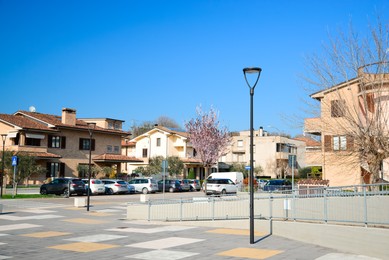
x,y
252,70
3,137
91,126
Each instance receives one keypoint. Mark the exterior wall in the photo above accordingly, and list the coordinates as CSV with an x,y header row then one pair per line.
x,y
265,151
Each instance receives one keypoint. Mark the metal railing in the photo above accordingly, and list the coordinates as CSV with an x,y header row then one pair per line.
x,y
361,205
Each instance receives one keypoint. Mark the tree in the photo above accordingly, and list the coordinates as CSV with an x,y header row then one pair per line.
x,y
149,125
360,65
175,165
207,137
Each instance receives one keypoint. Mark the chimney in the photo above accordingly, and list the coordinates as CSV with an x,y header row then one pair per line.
x,y
68,116
261,131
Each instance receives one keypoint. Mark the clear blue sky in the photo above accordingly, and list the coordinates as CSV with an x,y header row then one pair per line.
x,y
138,60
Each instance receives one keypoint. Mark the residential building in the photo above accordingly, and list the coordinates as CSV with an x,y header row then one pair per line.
x,y
272,153
345,109
165,142
62,143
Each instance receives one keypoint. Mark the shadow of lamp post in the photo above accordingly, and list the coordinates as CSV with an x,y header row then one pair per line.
x,y
253,70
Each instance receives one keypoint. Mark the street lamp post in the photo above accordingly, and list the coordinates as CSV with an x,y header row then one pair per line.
x,y
253,70
91,126
3,137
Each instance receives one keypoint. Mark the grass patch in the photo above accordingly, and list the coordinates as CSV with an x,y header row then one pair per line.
x,y
29,196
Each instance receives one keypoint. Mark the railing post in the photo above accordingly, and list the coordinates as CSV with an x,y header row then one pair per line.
x,y
365,204
149,210
325,205
181,205
213,208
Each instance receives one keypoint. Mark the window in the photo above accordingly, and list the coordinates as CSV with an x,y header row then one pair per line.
x,y
109,148
118,126
339,143
144,153
370,102
240,143
158,142
85,144
56,142
116,149
338,108
110,125
55,170
33,142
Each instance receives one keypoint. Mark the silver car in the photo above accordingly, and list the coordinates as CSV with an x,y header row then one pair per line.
x,y
115,186
144,185
221,186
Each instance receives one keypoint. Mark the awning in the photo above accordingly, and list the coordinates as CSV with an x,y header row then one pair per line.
x,y
12,135
35,136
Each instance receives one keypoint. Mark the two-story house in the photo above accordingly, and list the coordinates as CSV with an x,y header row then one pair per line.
x,y
62,143
271,152
349,112
165,142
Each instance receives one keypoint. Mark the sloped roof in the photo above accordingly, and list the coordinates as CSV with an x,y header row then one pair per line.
x,y
163,129
309,142
106,157
39,121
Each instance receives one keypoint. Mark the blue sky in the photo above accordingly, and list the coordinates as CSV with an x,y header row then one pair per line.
x,y
139,60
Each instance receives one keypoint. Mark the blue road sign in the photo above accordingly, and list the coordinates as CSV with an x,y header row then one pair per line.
x,y
14,160
247,167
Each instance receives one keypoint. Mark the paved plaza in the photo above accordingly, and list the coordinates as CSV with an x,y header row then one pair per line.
x,y
56,229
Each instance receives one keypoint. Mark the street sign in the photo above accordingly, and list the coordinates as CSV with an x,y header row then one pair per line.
x,y
247,167
14,160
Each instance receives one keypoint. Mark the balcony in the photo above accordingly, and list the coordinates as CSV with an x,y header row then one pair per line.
x,y
313,126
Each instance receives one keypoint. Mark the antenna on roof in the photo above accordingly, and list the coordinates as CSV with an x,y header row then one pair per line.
x,y
32,109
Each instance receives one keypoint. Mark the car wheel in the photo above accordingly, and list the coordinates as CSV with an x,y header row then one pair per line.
x,y
145,191
66,193
224,192
44,191
109,191
171,189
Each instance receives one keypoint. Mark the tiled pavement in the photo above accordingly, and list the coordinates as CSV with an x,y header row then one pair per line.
x,y
49,230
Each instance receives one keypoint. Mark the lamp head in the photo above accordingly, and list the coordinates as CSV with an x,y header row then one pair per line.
x,y
252,70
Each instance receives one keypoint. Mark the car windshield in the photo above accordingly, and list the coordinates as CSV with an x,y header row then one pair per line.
x,y
121,182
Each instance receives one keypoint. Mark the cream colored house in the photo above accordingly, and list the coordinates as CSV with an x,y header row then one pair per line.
x,y
165,142
62,143
272,153
358,99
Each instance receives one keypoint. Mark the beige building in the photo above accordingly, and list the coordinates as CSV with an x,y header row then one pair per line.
x,y
272,153
357,99
62,143
165,142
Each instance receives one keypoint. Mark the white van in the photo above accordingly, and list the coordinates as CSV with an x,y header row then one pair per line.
x,y
236,177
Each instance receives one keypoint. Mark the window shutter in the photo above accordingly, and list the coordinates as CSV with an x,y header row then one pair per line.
x,y
350,143
62,170
50,141
48,175
370,102
80,144
63,142
327,143
93,145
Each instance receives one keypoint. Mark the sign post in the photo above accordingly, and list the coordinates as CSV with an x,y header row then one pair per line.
x,y
15,161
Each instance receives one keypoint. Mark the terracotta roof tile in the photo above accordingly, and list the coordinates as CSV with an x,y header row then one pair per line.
x,y
116,158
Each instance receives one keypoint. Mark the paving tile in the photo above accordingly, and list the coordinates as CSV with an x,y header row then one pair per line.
x,y
17,226
83,247
227,231
85,221
5,257
151,230
18,218
46,234
251,253
98,214
166,243
162,255
95,238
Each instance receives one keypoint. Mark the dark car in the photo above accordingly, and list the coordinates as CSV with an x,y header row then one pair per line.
x,y
173,185
278,184
194,185
65,186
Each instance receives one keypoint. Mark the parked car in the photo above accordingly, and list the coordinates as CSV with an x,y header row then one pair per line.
x,y
96,186
65,186
144,185
131,188
221,186
115,186
173,185
194,185
261,183
277,184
